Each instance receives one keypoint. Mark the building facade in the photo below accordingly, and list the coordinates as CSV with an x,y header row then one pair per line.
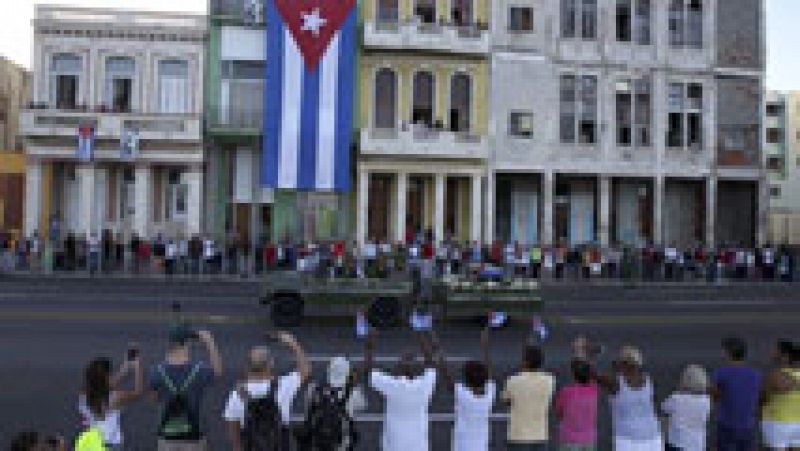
x,y
627,121
424,141
783,166
130,84
13,97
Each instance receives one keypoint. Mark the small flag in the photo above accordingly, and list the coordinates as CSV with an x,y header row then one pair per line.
x,y
85,143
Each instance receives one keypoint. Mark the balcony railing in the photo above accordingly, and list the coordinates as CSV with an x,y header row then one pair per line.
x,y
42,121
235,119
416,35
421,141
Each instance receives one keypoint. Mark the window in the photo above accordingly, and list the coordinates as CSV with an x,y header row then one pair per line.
x,y
425,10
520,124
575,12
65,71
424,90
460,103
520,19
685,116
387,11
686,23
177,194
774,109
242,102
775,164
461,12
630,26
173,94
578,109
385,99
775,191
774,135
119,83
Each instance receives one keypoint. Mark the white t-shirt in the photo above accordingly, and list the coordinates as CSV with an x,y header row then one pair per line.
x,y
405,426
109,426
287,389
471,431
688,417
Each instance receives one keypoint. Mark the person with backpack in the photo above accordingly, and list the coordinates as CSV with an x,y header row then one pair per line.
x,y
408,392
100,402
178,385
331,409
257,414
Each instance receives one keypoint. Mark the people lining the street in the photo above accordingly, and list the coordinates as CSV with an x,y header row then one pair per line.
x,y
780,411
529,394
178,384
688,410
736,387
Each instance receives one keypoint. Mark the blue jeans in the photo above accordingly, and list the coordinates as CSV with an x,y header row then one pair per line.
x,y
733,439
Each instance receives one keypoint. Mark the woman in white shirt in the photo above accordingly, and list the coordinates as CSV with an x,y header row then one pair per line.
x,y
100,402
688,410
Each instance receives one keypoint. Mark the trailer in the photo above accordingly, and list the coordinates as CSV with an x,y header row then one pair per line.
x,y
291,295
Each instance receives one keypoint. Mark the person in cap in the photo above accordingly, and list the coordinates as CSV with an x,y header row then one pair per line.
x,y
633,413
178,384
688,410
258,385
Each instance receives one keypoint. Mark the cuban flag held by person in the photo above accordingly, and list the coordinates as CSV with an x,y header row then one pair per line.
x,y
308,112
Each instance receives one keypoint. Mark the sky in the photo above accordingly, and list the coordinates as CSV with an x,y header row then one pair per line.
x,y
783,31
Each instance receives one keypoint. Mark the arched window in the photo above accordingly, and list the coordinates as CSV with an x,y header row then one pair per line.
x,y
385,99
424,95
460,102
387,11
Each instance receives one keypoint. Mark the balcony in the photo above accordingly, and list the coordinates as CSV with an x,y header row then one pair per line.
x,y
423,142
45,122
231,120
414,35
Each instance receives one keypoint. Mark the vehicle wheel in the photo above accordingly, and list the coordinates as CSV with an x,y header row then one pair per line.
x,y
287,310
384,312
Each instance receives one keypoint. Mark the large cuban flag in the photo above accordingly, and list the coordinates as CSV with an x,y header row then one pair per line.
x,y
308,112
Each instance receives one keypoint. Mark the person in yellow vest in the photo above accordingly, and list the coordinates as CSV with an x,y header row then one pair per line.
x,y
90,440
781,400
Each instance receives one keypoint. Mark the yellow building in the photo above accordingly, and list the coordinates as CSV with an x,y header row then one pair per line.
x,y
14,82
423,119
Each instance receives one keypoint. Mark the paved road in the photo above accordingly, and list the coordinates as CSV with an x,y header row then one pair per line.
x,y
50,328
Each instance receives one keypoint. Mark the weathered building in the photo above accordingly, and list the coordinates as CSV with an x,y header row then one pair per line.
x,y
13,97
627,121
130,84
783,166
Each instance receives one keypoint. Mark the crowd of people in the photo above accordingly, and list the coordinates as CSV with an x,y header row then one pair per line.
x,y
195,255
750,408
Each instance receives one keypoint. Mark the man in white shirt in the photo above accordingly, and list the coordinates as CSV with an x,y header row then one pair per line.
x,y
408,394
258,384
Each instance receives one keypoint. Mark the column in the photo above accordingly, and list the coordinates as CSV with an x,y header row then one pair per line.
x,y
762,211
604,228
658,207
194,207
488,214
438,213
711,212
33,196
548,182
475,209
363,204
400,204
141,200
86,203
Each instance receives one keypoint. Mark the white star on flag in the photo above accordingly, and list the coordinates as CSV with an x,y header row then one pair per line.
x,y
313,22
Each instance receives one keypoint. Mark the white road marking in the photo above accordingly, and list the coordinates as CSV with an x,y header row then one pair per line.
x,y
721,303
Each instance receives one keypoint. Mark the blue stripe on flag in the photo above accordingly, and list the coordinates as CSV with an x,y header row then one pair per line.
x,y
309,127
344,107
273,98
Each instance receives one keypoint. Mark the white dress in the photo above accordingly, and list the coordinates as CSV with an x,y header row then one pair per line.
x,y
471,431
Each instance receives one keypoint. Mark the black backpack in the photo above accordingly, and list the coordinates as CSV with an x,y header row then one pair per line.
x,y
177,420
328,417
263,427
